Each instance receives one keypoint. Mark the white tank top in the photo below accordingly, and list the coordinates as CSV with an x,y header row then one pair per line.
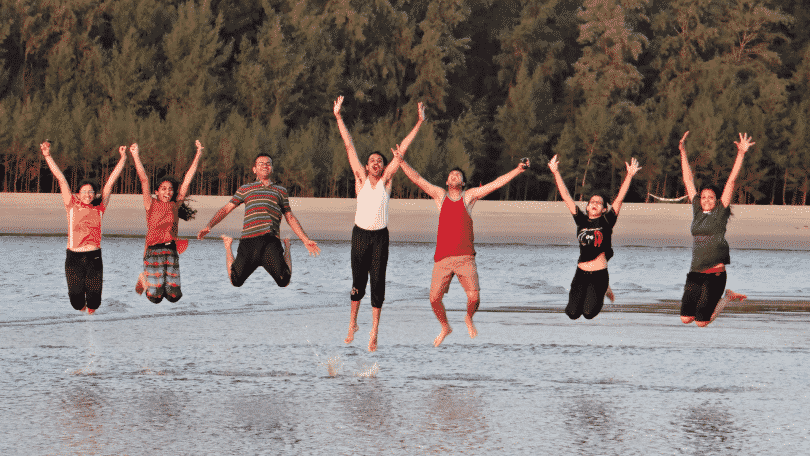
x,y
372,206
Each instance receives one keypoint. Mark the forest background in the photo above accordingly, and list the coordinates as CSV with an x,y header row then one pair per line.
x,y
595,81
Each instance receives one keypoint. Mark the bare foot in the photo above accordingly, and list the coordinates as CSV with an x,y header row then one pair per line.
x,y
446,330
141,285
724,301
732,296
470,327
372,341
609,294
352,329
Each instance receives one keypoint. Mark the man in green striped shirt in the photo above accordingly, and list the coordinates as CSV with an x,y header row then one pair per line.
x,y
265,204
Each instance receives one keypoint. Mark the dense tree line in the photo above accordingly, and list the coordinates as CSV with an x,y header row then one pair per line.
x,y
595,81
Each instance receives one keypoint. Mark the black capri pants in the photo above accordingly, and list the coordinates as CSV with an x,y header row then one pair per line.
x,y
369,258
701,293
265,251
587,295
85,273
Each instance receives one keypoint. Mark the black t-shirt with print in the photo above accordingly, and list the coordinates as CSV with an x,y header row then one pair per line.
x,y
594,234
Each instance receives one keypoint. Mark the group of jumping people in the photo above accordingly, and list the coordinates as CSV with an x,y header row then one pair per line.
x,y
266,203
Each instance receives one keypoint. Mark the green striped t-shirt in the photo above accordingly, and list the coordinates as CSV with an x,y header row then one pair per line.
x,y
264,207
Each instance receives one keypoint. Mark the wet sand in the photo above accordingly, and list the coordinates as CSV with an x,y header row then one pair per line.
x,y
518,222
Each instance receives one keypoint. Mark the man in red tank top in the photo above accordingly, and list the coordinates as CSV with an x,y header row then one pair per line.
x,y
455,253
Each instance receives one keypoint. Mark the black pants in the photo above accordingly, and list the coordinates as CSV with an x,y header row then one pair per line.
x,y
587,295
369,258
85,273
701,294
265,251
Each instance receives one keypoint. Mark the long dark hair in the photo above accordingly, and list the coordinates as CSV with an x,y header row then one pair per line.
x,y
717,194
185,211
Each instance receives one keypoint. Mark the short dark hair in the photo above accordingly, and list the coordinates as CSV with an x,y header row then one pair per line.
x,y
174,183
600,195
384,159
96,189
463,175
263,154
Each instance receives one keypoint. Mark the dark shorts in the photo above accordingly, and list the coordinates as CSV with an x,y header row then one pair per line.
x,y
701,294
369,259
587,295
265,251
162,267
85,274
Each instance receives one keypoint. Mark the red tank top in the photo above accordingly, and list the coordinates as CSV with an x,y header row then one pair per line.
x,y
455,234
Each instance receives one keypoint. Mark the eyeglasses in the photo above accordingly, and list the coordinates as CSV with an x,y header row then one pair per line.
x,y
87,192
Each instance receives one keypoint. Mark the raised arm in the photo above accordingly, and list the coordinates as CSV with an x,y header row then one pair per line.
x,y
392,167
554,166
45,147
221,214
181,194
475,193
311,245
357,168
688,178
742,147
147,195
107,191
437,193
632,169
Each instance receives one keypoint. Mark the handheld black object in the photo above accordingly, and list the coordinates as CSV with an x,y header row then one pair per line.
x,y
525,161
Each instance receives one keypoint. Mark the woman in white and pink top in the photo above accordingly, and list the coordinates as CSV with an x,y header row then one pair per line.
x,y
83,265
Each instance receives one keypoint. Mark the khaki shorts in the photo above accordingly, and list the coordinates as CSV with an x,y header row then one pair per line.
x,y
463,266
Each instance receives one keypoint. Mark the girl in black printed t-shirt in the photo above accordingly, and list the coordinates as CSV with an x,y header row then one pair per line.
x,y
594,232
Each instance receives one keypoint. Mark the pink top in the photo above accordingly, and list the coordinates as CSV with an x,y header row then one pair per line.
x,y
161,224
455,234
84,225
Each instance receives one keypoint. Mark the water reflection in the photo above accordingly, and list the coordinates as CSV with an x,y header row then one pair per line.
x,y
454,421
266,417
710,428
81,421
593,425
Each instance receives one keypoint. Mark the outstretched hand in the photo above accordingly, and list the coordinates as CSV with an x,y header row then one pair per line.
x,y
745,143
336,108
682,144
632,167
554,165
397,152
133,149
199,145
45,147
421,108
313,248
524,164
123,151
203,232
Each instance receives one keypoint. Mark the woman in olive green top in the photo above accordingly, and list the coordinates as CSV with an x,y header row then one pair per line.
x,y
706,279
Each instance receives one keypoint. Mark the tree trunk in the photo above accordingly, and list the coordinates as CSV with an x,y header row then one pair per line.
x,y
784,187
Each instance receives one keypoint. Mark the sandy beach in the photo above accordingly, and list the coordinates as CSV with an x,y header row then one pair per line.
x,y
518,222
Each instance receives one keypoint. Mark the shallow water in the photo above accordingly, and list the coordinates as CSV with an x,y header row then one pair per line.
x,y
247,370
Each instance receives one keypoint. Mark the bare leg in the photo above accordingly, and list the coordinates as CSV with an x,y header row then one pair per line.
x,y
473,301
353,322
228,253
609,294
372,341
441,315
287,258
728,297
